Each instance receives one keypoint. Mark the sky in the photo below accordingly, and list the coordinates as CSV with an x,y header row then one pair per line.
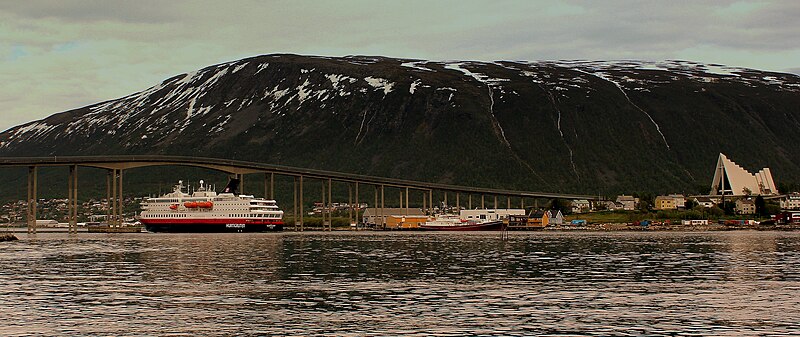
x,y
58,55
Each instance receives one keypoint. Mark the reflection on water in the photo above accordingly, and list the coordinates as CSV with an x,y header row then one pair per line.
x,y
440,284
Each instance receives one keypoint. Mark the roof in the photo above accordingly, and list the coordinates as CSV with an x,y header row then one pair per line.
x,y
537,214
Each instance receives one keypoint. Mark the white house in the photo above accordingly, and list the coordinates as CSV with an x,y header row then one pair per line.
x,y
581,205
791,201
555,217
628,202
744,206
704,201
612,205
680,200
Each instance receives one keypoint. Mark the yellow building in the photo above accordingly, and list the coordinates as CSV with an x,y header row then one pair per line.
x,y
538,219
405,222
665,202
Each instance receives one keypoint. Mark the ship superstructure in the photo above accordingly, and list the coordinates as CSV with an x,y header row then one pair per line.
x,y
206,211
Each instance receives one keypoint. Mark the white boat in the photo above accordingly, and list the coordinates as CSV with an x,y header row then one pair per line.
x,y
206,211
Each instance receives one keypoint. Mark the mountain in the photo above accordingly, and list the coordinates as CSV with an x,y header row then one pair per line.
x,y
558,126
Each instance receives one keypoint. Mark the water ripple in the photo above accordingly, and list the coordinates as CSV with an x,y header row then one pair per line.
x,y
412,284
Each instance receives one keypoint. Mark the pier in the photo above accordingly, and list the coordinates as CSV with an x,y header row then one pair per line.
x,y
116,165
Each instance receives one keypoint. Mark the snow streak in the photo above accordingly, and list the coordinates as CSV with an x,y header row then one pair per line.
x,y
608,79
658,128
363,118
490,82
494,118
558,125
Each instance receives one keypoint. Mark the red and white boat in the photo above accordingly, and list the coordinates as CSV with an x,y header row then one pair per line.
x,y
207,211
455,223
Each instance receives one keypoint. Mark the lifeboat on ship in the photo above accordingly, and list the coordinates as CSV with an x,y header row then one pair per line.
x,y
190,204
205,204
173,207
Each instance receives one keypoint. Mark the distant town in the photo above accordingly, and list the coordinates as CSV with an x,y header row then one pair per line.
x,y
625,212
737,199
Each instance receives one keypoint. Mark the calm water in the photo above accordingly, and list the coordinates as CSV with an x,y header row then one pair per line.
x,y
424,284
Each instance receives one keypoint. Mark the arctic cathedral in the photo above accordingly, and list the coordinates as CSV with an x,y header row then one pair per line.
x,y
732,179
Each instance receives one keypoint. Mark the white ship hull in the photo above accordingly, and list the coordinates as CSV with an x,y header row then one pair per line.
x,y
206,211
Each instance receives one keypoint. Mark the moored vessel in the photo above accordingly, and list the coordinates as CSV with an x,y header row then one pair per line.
x,y
206,211
454,223
96,227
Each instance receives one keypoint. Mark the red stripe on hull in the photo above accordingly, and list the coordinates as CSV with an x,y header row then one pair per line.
x,y
215,221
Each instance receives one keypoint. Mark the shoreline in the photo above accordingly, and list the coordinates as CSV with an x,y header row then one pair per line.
x,y
608,227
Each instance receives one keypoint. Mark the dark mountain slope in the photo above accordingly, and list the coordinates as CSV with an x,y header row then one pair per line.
x,y
570,126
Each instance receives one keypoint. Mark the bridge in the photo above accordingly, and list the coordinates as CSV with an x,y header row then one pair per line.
x,y
115,165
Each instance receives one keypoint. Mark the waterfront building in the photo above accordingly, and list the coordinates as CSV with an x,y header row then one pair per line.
x,y
405,222
663,202
538,218
628,202
732,179
555,217
680,200
378,216
581,206
612,205
745,206
791,201
705,202
787,217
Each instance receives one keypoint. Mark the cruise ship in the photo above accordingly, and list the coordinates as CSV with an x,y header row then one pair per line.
x,y
206,211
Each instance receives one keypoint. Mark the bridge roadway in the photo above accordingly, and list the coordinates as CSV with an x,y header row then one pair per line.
x,y
116,164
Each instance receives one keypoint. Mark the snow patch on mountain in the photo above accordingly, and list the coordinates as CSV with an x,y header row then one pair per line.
x,y
239,67
221,126
416,65
302,92
33,130
413,87
380,83
338,82
262,67
477,76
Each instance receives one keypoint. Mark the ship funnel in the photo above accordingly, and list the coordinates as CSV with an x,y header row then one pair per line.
x,y
232,187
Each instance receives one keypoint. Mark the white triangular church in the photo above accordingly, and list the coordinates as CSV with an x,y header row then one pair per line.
x,y
732,179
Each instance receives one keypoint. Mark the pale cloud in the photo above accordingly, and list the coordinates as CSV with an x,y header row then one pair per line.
x,y
59,55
